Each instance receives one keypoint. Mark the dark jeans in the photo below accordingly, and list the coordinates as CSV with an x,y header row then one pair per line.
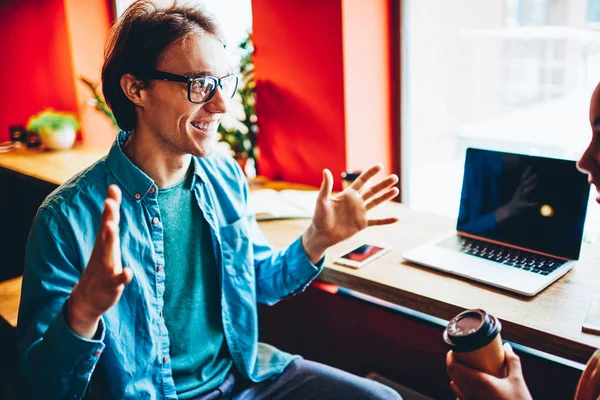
x,y
303,379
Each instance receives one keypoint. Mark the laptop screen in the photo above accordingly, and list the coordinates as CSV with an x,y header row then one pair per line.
x,y
533,202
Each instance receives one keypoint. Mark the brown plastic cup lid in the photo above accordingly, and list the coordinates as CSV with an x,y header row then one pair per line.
x,y
471,330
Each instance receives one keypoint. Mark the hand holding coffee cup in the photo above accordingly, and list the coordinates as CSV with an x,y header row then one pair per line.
x,y
474,338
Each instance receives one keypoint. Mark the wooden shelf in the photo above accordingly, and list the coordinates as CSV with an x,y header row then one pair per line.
x,y
51,166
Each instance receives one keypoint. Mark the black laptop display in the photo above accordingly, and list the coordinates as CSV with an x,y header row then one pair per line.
x,y
532,202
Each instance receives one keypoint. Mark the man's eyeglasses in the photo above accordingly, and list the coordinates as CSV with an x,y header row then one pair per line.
x,y
201,88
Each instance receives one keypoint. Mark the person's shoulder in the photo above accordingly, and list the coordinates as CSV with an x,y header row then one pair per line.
x,y
80,185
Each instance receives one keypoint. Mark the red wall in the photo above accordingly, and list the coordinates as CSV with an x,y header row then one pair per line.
x,y
36,70
46,46
309,56
300,93
324,87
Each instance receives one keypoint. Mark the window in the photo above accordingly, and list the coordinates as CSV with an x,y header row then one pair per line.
x,y
510,75
234,16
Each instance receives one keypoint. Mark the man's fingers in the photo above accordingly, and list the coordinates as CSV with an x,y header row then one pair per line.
x,y
114,193
109,223
110,247
365,176
112,205
326,186
381,186
112,208
107,249
123,278
382,221
390,194
108,243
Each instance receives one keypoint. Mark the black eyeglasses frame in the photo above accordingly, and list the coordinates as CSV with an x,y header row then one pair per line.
x,y
167,76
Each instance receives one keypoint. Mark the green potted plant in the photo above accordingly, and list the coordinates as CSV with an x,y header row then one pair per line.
x,y
56,129
98,103
239,128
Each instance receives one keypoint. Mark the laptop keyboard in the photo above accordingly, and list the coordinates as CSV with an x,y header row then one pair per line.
x,y
521,259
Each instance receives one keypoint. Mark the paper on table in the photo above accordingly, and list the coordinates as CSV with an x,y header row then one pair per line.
x,y
286,204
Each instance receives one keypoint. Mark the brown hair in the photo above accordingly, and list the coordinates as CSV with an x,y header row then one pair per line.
x,y
136,42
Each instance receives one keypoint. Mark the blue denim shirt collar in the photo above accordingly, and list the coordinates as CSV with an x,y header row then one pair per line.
x,y
130,177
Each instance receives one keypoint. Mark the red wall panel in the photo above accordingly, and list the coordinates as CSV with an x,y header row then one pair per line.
x,y
300,88
36,70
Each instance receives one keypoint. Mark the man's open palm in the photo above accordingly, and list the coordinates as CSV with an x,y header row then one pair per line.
x,y
340,216
104,278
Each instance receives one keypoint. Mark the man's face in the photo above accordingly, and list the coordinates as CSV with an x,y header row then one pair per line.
x,y
590,160
182,126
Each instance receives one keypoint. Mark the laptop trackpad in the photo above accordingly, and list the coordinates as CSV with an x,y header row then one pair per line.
x,y
469,265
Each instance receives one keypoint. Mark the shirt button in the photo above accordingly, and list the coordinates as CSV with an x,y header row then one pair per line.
x,y
152,190
161,314
98,353
159,268
165,359
155,220
138,196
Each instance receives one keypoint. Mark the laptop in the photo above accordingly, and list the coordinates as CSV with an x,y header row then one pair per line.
x,y
520,222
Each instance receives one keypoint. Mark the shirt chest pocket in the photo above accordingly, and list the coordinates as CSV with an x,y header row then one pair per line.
x,y
237,248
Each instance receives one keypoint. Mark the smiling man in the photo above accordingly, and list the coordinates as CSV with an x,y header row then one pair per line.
x,y
143,272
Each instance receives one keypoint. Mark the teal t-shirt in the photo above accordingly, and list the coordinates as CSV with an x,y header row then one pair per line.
x,y
192,309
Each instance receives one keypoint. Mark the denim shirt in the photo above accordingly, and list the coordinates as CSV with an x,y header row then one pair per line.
x,y
130,352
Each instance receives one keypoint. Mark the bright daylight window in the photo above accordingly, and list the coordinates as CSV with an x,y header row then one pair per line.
x,y
510,75
234,16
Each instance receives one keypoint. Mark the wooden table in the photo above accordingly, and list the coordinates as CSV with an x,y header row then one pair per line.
x,y
550,322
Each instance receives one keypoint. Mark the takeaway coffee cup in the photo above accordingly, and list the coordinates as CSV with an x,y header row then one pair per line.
x,y
474,337
589,383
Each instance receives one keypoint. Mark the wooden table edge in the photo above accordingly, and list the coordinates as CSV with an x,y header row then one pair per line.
x,y
526,336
